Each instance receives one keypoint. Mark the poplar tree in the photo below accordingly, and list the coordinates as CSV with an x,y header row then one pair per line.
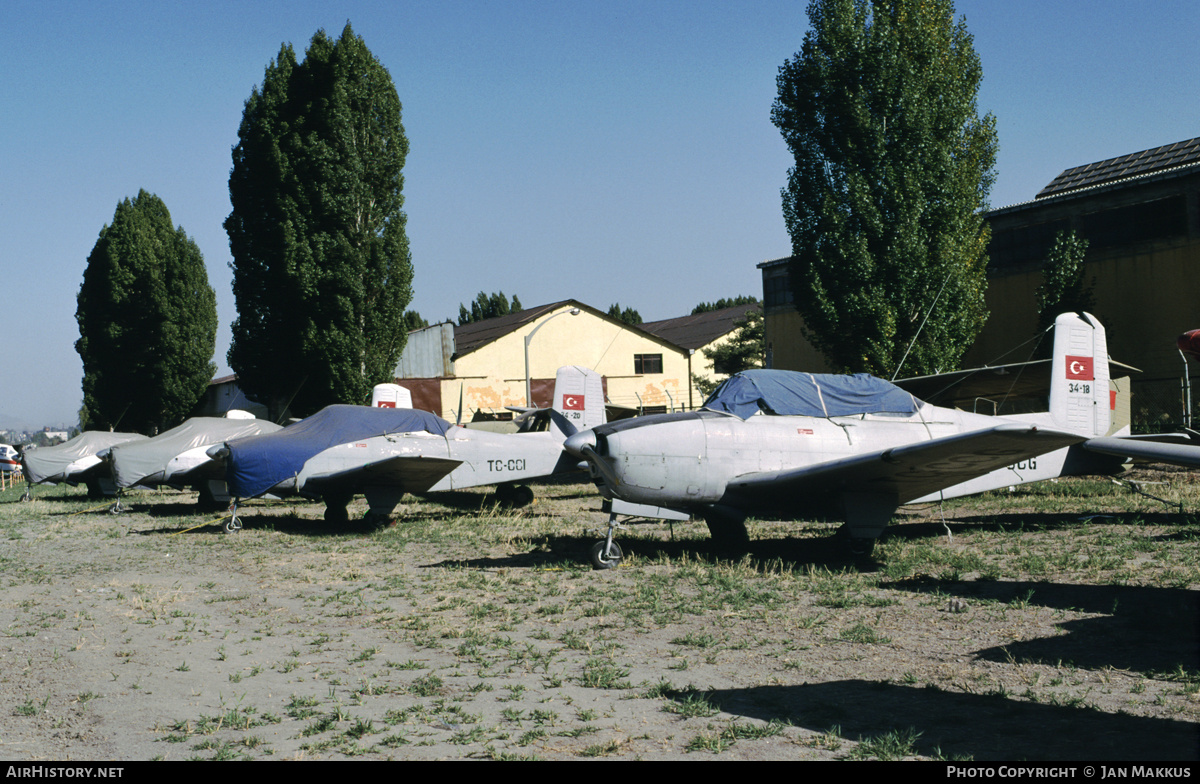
x,y
893,166
625,315
322,272
147,322
1063,286
488,306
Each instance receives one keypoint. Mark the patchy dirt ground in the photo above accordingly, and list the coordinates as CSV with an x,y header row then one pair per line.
x,y
459,633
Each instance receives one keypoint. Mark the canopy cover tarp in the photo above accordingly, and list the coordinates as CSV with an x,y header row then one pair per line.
x,y
141,461
791,393
58,463
255,465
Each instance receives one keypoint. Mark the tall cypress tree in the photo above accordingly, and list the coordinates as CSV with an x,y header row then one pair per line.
x,y
147,321
892,170
322,272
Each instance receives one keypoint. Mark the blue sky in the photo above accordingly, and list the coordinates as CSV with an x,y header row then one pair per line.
x,y
603,151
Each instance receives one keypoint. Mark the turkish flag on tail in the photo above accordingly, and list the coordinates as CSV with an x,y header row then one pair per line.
x,y
1080,368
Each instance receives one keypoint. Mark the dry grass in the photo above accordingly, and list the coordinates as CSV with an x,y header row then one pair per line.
x,y
466,630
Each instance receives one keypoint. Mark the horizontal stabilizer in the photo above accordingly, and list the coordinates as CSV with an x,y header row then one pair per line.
x,y
1139,449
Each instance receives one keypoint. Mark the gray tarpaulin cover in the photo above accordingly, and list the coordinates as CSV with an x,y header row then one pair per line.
x,y
55,463
255,465
791,393
142,460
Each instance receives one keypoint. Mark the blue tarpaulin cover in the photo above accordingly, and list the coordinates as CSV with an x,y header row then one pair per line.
x,y
791,393
258,463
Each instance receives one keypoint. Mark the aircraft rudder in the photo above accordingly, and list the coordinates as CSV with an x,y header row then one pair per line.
x,y
579,396
1081,397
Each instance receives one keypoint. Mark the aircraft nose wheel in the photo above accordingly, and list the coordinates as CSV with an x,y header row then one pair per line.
x,y
606,555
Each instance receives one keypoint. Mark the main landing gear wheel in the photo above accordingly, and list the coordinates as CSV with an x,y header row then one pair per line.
x,y
373,521
514,495
208,502
728,532
606,555
336,514
855,546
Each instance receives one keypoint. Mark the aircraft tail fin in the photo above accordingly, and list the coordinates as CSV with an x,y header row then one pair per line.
x,y
1081,397
578,400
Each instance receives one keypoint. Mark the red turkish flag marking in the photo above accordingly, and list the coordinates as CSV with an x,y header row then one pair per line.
x,y
572,402
1080,368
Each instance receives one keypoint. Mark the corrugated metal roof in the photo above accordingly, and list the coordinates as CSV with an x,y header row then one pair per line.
x,y
693,332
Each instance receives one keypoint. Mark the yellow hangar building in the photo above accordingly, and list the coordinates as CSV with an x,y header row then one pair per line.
x,y
646,368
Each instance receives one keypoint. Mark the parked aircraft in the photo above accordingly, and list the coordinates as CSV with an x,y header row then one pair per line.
x,y
854,447
384,453
1104,455
10,459
75,462
1181,448
179,456
1189,343
1030,381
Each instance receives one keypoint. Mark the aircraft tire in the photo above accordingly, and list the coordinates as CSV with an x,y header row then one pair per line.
x,y
206,501
373,521
855,546
727,533
336,514
602,560
514,495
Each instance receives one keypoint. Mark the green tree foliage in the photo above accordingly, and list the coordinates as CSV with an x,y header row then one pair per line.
x,y
624,315
1063,288
147,322
322,272
892,170
488,306
721,304
745,349
413,320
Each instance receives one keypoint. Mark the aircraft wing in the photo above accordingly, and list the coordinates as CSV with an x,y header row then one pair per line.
x,y
407,474
911,471
1185,454
960,388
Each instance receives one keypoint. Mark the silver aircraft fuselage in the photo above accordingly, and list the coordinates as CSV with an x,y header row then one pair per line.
x,y
708,461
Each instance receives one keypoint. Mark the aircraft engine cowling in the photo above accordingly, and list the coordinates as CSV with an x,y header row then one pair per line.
x,y
660,463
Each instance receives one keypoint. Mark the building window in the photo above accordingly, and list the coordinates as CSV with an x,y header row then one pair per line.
x,y
777,286
647,363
